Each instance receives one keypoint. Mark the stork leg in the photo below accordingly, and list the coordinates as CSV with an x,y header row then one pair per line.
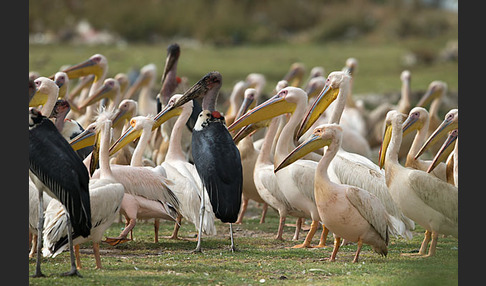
x,y
309,236
280,227
202,209
322,240
298,226
356,256
233,247
264,212
40,226
244,206
74,270
337,244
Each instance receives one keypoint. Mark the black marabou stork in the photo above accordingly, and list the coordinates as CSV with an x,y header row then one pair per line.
x,y
55,168
215,155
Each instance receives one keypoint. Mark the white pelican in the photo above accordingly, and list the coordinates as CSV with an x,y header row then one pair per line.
x,y
46,95
452,164
433,96
350,168
147,194
348,211
145,82
451,122
105,194
96,65
249,156
427,200
266,181
295,74
55,168
297,181
418,119
235,100
375,119
187,189
62,81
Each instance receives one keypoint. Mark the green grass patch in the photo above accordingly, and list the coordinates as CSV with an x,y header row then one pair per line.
x,y
259,259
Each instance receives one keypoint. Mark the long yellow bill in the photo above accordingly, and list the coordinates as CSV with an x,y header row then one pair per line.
x,y
314,142
87,67
322,102
445,150
447,125
273,107
84,139
384,145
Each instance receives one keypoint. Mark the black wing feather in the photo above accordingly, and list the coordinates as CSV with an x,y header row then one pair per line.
x,y
60,169
218,162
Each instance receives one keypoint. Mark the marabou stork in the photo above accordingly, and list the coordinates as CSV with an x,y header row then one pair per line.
x,y
55,168
215,155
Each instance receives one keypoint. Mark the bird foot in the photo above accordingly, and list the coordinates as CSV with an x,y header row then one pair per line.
x,y
37,275
72,272
321,246
303,245
114,241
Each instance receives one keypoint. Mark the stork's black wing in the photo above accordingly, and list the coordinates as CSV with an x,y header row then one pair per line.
x,y
218,162
60,169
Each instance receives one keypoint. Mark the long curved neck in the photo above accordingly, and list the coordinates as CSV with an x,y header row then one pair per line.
x,y
105,170
265,155
326,159
50,103
417,143
340,102
209,100
404,102
391,156
435,105
174,152
140,149
170,84
285,143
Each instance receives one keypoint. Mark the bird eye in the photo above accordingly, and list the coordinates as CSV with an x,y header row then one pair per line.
x,y
133,122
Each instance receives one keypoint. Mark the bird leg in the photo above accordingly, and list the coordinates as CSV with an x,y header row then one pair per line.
x,y
298,226
244,205
78,258
96,251
202,209
156,230
233,247
73,270
337,244
40,226
433,244
33,247
360,244
177,226
113,241
322,241
309,236
280,227
264,212
423,247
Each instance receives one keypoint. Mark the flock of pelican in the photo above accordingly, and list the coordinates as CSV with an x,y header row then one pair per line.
x,y
106,149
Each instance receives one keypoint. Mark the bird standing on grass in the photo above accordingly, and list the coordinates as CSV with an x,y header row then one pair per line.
x,y
215,155
55,168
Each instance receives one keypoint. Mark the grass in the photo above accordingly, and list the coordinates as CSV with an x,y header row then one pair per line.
x,y
259,260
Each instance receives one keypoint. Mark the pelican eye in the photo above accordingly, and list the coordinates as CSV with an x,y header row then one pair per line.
x,y
133,122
